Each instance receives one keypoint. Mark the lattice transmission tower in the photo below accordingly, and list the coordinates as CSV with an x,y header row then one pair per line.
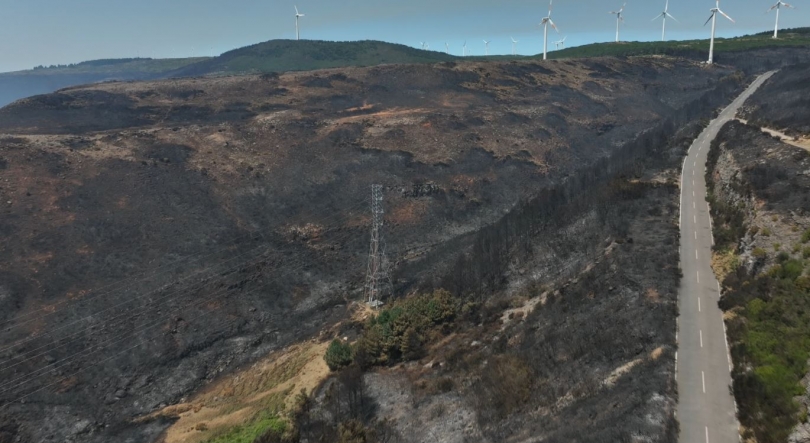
x,y
378,281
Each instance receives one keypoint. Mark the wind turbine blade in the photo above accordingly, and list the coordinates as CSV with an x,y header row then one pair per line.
x,y
724,15
772,8
657,17
553,25
789,5
673,18
666,6
710,19
296,10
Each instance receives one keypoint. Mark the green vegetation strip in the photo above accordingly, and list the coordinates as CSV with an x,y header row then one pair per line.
x,y
399,332
247,433
770,328
787,38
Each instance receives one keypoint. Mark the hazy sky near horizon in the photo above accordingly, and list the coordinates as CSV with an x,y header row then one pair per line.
x,y
45,32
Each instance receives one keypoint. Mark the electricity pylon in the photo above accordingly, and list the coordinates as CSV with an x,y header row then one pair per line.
x,y
378,282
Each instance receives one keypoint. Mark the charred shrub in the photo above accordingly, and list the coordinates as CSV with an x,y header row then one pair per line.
x,y
505,385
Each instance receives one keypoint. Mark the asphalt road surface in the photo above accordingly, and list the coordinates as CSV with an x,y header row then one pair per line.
x,y
706,408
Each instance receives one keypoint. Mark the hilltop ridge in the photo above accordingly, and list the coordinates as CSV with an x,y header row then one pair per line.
x,y
306,55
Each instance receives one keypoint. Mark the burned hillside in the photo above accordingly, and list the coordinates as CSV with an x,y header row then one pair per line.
x,y
783,102
181,229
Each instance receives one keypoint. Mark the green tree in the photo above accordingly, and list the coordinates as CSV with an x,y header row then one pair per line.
x,y
338,355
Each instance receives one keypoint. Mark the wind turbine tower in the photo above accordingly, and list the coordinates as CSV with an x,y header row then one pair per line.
x,y
778,6
713,19
619,18
464,49
544,23
664,15
297,15
486,47
446,48
514,45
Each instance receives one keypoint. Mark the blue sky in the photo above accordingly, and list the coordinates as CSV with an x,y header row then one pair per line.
x,y
34,32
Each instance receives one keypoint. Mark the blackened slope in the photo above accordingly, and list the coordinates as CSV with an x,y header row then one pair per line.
x,y
783,102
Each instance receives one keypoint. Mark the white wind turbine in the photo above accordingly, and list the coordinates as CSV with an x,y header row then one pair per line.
x,y
486,47
544,23
464,49
619,18
778,6
446,48
297,15
514,45
559,43
713,19
664,15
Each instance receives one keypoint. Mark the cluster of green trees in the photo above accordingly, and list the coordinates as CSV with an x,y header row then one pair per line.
x,y
771,333
398,332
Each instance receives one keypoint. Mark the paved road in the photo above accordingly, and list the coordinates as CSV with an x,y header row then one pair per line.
x,y
706,408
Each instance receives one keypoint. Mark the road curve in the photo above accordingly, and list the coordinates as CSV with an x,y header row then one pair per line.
x,y
706,408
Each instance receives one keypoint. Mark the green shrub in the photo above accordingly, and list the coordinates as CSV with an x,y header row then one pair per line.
x,y
759,253
338,355
790,269
782,257
264,424
777,246
765,232
806,252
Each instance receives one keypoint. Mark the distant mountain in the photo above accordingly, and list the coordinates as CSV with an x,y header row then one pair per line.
x,y
306,55
42,80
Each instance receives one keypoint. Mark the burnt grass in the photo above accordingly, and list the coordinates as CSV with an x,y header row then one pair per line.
x,y
179,238
610,299
783,102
